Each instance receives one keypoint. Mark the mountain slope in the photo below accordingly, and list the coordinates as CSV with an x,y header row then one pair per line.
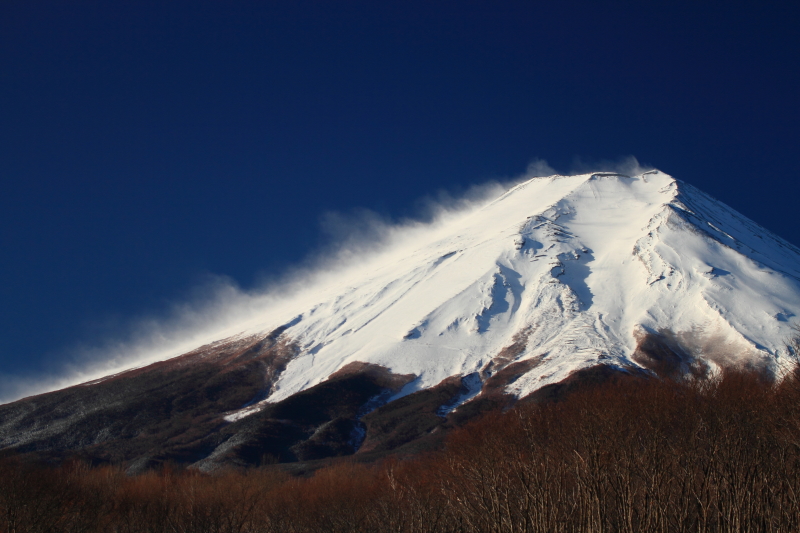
x,y
557,278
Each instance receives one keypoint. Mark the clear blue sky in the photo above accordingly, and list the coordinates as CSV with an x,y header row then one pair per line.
x,y
144,145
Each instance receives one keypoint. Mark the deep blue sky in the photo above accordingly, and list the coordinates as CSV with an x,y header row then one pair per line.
x,y
144,145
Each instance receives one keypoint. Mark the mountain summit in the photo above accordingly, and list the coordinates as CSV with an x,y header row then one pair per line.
x,y
560,275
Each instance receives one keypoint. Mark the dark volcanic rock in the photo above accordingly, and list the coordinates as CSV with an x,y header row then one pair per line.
x,y
163,410
319,422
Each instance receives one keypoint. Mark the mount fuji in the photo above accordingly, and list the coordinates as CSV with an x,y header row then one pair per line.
x,y
558,279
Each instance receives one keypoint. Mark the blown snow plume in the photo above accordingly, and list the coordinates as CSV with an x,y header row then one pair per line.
x,y
558,275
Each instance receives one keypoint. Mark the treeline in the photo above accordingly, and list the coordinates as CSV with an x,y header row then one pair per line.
x,y
628,455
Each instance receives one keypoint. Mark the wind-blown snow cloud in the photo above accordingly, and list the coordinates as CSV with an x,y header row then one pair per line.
x,y
539,168
627,165
354,243
218,307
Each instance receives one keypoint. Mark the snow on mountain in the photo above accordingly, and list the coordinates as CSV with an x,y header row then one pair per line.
x,y
564,272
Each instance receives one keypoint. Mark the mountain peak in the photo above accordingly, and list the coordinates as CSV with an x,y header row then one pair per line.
x,y
569,270
559,277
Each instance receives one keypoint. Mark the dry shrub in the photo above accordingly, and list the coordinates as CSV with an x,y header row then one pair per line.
x,y
626,455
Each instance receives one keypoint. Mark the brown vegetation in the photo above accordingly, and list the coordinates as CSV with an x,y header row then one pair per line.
x,y
635,454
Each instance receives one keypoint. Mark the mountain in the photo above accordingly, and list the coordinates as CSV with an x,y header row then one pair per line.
x,y
560,280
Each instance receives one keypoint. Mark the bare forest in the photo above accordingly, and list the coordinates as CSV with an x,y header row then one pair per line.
x,y
626,455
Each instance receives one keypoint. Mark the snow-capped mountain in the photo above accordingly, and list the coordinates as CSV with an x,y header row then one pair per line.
x,y
569,271
560,275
